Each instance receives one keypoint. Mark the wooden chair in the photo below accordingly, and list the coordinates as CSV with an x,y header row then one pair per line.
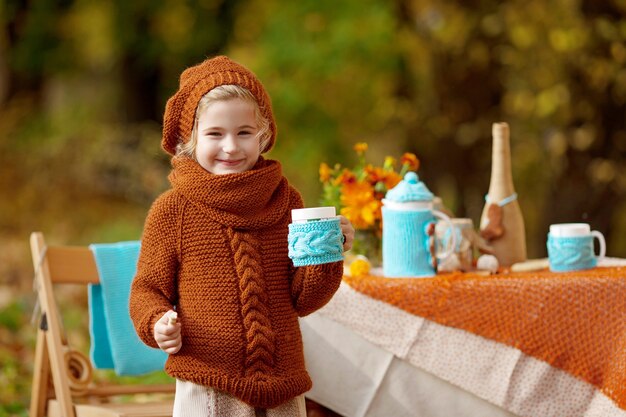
x,y
62,379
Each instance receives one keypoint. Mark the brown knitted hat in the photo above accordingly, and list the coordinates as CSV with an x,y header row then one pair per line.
x,y
195,82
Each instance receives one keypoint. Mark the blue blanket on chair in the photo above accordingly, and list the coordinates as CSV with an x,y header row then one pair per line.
x,y
114,343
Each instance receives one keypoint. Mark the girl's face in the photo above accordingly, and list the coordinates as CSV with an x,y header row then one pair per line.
x,y
227,140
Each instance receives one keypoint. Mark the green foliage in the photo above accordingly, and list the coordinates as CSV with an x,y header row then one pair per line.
x,y
11,316
16,352
14,409
325,73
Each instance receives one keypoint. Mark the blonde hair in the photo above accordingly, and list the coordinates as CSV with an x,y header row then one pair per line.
x,y
223,93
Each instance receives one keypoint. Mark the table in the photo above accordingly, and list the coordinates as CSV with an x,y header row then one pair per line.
x,y
531,344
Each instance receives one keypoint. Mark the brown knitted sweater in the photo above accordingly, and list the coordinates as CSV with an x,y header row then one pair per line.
x,y
215,246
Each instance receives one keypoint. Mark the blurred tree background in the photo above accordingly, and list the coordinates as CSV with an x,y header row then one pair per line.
x,y
83,85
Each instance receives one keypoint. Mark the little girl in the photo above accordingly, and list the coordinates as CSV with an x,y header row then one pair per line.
x,y
214,249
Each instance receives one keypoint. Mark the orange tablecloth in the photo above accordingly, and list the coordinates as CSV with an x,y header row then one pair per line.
x,y
573,321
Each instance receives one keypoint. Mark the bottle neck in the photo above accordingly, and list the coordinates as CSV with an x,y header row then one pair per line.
x,y
501,183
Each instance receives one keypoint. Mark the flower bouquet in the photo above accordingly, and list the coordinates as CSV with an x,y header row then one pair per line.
x,y
357,193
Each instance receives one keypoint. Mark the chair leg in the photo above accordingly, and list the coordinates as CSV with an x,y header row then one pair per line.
x,y
41,378
53,334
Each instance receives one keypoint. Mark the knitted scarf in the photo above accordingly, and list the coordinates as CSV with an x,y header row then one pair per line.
x,y
249,200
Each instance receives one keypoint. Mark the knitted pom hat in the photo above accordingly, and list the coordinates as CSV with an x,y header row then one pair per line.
x,y
195,82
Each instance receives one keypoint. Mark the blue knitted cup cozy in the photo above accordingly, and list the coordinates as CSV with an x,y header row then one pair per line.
x,y
315,242
405,243
571,253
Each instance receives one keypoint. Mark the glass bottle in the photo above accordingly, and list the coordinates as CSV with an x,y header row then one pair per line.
x,y
502,223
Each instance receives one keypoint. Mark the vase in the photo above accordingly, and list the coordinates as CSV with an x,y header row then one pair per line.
x,y
502,223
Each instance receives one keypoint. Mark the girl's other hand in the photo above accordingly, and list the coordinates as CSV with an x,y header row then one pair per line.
x,y
348,232
167,335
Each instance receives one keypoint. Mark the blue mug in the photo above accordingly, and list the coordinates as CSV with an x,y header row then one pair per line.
x,y
570,247
315,236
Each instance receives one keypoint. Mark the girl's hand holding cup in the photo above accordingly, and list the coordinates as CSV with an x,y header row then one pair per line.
x,y
167,333
348,233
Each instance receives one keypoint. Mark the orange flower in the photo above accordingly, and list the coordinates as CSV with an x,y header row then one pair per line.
x,y
325,172
373,174
411,161
392,179
359,204
346,177
358,191
360,148
376,174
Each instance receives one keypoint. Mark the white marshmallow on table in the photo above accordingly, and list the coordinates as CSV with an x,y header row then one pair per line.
x,y
487,263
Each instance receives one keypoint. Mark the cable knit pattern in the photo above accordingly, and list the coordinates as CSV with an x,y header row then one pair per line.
x,y
315,242
571,253
259,334
215,247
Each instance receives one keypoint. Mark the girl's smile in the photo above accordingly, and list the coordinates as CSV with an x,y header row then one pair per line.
x,y
228,142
